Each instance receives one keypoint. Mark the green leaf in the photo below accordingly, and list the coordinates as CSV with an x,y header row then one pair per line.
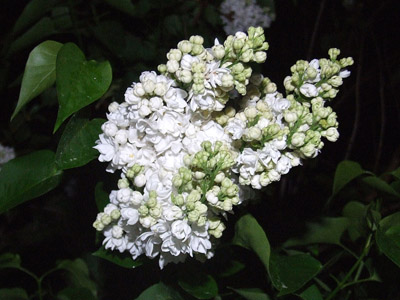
x,y
290,273
198,284
120,259
232,267
75,293
346,171
252,293
75,148
40,73
388,237
160,291
102,197
311,293
10,260
79,82
356,213
396,173
33,11
41,30
125,6
328,231
249,234
380,185
80,273
27,177
13,294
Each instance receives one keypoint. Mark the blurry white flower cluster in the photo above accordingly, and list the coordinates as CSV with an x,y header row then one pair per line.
x,y
189,141
238,15
6,154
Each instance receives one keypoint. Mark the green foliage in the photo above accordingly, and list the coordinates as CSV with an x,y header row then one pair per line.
x,y
160,291
346,171
311,293
75,148
40,72
32,12
328,231
249,234
75,293
27,177
198,284
388,237
79,274
290,273
10,260
79,82
13,294
380,185
252,293
123,260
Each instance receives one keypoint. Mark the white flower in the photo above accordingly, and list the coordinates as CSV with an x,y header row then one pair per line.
x,y
309,90
130,214
181,230
172,213
106,147
236,128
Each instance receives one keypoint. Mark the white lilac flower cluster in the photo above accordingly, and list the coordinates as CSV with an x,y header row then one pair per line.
x,y
6,154
190,140
238,15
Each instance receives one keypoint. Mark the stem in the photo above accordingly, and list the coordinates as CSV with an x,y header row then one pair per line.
x,y
353,268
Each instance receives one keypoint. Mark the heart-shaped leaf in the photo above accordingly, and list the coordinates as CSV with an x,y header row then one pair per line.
x,y
79,82
40,72
13,294
75,148
27,177
198,284
388,237
75,293
380,185
79,273
346,171
10,260
290,273
249,234
252,293
160,291
328,231
311,293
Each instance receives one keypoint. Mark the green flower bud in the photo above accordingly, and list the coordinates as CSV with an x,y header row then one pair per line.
x,y
143,211
218,51
185,46
106,219
333,53
123,183
177,200
115,214
152,202
193,216
98,225
162,68
196,39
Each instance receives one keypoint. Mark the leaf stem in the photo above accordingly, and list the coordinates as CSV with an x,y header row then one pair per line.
x,y
342,284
